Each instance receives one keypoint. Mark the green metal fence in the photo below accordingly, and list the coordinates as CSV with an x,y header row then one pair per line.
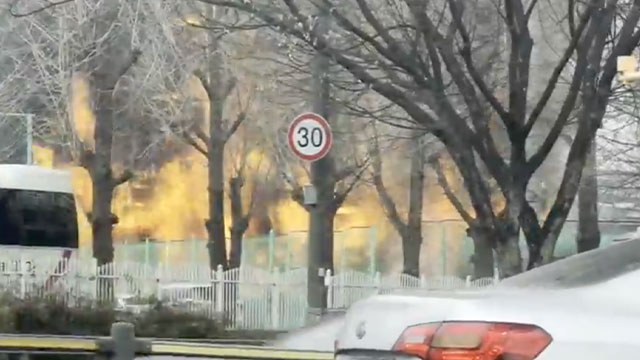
x,y
446,249
354,249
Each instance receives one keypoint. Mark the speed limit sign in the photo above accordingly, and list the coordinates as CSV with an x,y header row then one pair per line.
x,y
309,136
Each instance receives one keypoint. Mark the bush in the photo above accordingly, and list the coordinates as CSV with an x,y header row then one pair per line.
x,y
165,322
49,315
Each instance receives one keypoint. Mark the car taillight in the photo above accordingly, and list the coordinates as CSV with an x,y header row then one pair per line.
x,y
415,340
473,341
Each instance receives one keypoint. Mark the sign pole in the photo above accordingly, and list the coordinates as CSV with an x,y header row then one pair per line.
x,y
310,139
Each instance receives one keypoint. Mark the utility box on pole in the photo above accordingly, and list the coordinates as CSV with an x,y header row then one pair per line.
x,y
310,195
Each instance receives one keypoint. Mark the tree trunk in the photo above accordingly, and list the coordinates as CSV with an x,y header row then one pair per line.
x,y
99,167
102,220
216,85
215,225
412,239
103,184
239,222
411,245
588,229
482,258
508,246
235,254
509,258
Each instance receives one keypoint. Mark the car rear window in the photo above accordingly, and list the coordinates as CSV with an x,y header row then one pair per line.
x,y
583,269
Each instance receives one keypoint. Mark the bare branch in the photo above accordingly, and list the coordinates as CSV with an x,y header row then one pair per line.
x,y
385,198
571,17
531,8
236,124
191,141
352,169
296,190
108,78
35,11
465,51
230,85
444,184
87,157
341,196
197,130
203,80
557,71
123,178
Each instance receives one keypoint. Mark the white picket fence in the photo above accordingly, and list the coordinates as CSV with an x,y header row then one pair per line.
x,y
248,298
346,288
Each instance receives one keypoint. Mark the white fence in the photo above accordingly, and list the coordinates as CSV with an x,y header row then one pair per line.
x,y
248,298
346,288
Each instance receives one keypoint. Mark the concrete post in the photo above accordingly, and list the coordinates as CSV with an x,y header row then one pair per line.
x,y
124,341
122,345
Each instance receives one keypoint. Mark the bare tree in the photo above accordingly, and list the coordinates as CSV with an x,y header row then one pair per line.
x,y
307,80
410,230
249,179
418,55
99,42
215,73
618,157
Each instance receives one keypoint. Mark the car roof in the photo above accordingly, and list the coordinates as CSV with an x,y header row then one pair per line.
x,y
589,268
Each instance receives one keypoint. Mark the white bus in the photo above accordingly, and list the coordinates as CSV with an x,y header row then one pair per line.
x,y
38,219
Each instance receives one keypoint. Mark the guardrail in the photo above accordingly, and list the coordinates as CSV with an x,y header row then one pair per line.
x,y
123,345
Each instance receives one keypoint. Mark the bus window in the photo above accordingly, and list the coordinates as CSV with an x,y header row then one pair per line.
x,y
37,218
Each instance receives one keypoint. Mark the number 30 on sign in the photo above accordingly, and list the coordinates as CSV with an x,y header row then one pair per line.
x,y
309,137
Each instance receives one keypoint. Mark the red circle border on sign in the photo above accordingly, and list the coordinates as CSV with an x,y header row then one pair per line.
x,y
327,129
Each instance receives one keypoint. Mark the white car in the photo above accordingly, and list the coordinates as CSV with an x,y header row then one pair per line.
x,y
585,307
319,337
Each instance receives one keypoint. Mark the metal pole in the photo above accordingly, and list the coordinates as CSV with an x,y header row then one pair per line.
x,y
147,255
444,249
372,250
30,139
343,252
272,239
288,263
194,250
320,171
243,253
